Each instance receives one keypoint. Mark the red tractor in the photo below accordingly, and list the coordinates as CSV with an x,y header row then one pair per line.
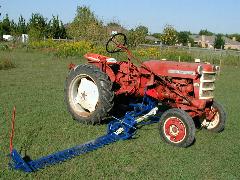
x,y
186,89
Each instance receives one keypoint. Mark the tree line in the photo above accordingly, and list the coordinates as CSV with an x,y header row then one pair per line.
x,y
87,26
37,27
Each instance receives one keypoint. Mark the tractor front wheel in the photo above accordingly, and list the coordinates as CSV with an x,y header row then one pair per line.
x,y
217,123
88,94
177,128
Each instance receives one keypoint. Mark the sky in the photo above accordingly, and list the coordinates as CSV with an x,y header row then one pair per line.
x,y
218,16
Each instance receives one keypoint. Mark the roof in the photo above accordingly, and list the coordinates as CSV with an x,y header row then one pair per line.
x,y
230,41
211,39
152,38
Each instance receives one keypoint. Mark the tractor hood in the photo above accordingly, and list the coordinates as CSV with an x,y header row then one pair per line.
x,y
177,69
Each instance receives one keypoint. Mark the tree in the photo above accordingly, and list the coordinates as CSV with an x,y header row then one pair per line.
x,y
56,28
205,32
13,28
37,27
1,30
137,36
114,26
184,38
87,26
6,25
237,36
132,38
219,42
169,35
142,30
63,32
157,35
21,26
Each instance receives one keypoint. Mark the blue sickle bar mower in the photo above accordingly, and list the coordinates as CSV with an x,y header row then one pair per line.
x,y
118,129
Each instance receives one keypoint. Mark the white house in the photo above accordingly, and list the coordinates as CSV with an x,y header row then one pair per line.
x,y
7,37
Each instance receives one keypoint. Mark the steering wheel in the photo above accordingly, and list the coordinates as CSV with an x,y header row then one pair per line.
x,y
116,43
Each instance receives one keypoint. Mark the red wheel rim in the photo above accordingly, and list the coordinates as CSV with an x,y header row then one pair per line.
x,y
174,129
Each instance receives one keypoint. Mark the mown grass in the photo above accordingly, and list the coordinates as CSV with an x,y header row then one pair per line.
x,y
43,126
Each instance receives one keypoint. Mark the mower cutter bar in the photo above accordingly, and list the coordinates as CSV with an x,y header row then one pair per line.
x,y
61,156
119,129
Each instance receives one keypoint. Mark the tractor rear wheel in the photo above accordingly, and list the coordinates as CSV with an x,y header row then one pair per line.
x,y
219,118
177,128
88,94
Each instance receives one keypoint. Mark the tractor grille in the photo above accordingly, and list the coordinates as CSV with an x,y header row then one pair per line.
x,y
207,85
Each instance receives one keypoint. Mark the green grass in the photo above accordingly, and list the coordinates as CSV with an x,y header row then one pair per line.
x,y
44,126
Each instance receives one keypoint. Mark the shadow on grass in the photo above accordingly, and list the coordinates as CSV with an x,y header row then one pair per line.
x,y
29,142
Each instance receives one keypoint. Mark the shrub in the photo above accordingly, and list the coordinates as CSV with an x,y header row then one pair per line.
x,y
73,48
157,53
43,44
148,52
66,49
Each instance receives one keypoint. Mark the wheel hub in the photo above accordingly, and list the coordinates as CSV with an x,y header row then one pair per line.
x,y
174,129
84,95
87,94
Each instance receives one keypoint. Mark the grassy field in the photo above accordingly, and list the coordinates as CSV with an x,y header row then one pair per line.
x,y
43,126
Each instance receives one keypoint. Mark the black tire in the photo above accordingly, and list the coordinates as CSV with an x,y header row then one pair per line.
x,y
177,128
220,117
105,96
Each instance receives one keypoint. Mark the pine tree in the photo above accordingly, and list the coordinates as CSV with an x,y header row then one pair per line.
x,y
21,26
6,25
54,27
63,33
13,28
